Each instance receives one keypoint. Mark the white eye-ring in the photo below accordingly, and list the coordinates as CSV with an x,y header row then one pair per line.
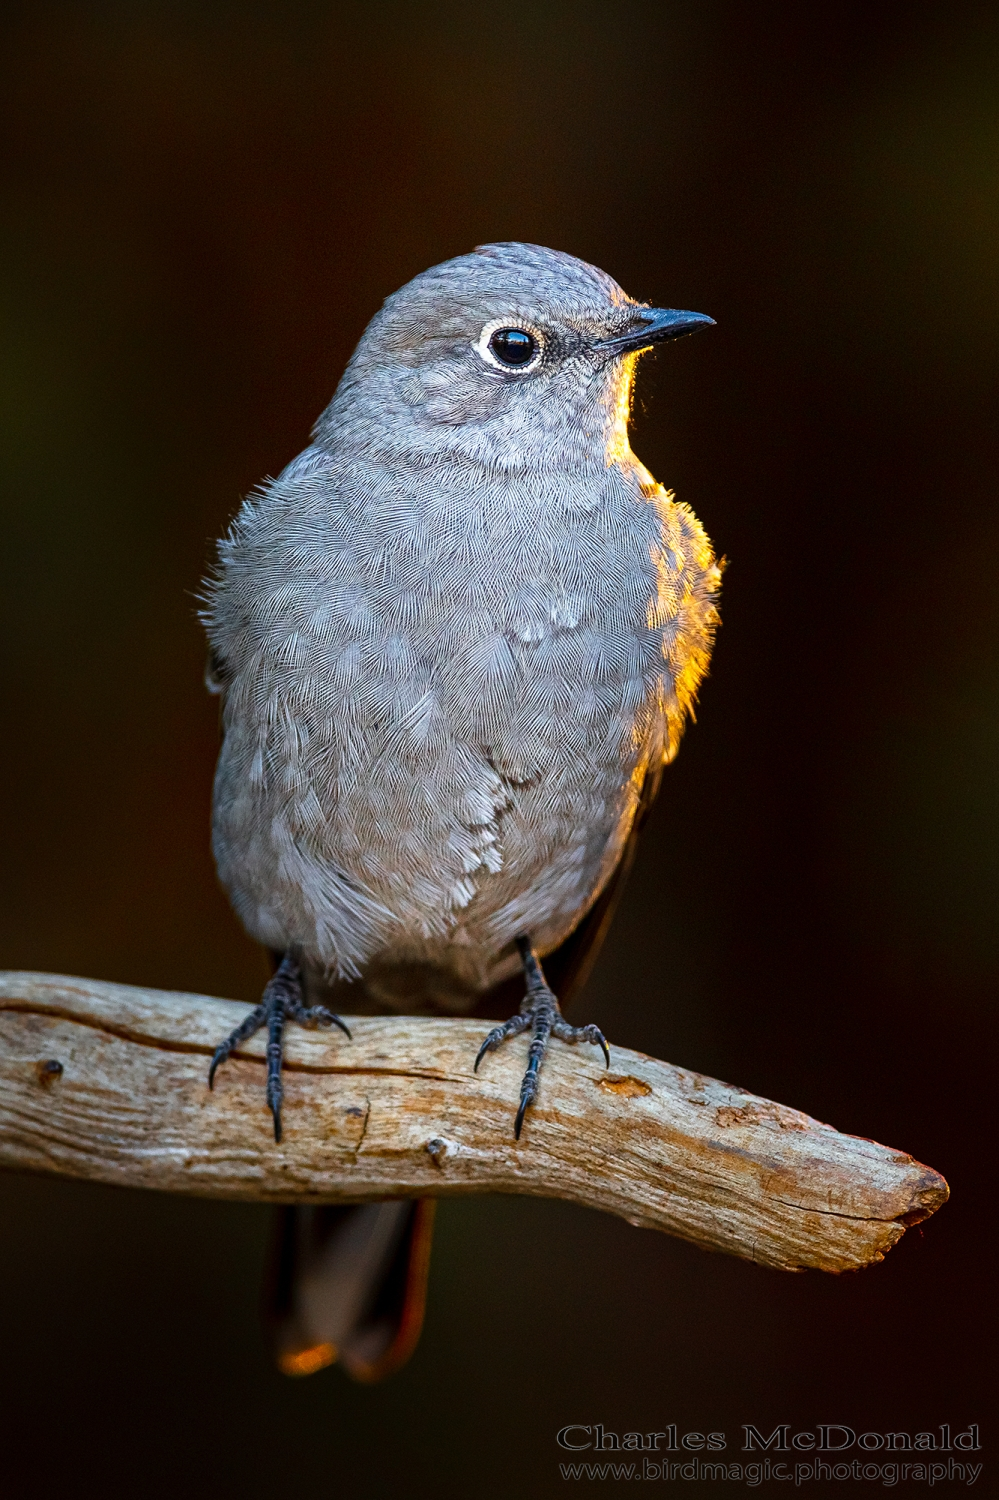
x,y
511,345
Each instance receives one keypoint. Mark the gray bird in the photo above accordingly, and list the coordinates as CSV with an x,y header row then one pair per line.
x,y
456,642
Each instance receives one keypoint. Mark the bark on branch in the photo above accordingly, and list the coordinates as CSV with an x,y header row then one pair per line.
x,y
106,1081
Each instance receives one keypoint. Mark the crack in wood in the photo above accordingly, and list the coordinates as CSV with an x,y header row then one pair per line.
x,y
364,1127
205,1049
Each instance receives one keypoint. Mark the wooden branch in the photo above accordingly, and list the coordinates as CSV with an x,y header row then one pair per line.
x,y
109,1082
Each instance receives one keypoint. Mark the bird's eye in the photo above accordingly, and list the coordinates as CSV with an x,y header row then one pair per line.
x,y
513,346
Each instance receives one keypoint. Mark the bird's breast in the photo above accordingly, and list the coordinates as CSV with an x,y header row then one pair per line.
x,y
443,712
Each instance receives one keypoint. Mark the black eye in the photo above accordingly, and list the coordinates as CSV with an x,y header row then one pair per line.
x,y
512,346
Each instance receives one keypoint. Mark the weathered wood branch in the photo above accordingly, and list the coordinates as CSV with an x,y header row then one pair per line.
x,y
108,1082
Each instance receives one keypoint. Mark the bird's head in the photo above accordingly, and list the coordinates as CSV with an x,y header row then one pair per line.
x,y
515,357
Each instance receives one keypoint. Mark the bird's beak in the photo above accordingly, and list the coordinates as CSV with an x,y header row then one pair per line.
x,y
654,325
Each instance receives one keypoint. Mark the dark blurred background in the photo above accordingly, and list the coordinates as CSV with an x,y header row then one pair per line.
x,y
202,205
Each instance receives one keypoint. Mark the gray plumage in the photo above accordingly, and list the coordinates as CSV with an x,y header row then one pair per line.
x,y
453,637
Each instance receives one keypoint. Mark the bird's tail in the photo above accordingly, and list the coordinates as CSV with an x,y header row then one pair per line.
x,y
348,1283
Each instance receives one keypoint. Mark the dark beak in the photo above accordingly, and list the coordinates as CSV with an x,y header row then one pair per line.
x,y
654,325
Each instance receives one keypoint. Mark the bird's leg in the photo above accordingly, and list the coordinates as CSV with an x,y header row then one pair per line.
x,y
539,1010
281,1002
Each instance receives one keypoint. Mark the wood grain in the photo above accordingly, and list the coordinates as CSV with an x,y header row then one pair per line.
x,y
108,1082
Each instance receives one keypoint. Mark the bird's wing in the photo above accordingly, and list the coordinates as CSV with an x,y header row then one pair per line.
x,y
568,967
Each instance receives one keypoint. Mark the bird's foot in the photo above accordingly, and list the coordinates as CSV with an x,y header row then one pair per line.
x,y
281,1002
540,1012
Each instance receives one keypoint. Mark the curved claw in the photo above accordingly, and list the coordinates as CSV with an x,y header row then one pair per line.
x,y
487,1045
522,1111
595,1037
219,1057
317,1015
276,1112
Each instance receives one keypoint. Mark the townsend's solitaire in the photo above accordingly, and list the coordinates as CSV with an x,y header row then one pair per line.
x,y
456,641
